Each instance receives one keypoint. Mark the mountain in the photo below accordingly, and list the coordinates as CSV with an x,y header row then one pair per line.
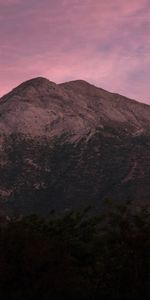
x,y
39,107
67,146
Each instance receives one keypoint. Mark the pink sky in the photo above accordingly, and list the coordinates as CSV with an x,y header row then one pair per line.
x,y
106,42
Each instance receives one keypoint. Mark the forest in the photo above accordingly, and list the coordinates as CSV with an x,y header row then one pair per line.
x,y
77,255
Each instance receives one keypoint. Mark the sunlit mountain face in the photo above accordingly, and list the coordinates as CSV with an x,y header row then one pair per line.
x,y
71,145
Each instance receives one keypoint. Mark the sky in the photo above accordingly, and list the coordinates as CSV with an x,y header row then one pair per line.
x,y
105,42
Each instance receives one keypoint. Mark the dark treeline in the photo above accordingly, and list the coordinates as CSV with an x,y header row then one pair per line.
x,y
75,256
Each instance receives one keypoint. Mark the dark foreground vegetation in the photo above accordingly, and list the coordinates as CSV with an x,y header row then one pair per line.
x,y
76,256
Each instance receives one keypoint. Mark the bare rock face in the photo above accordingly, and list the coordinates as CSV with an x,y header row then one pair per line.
x,y
75,143
40,107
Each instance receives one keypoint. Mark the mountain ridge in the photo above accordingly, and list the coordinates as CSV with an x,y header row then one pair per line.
x,y
89,105
36,80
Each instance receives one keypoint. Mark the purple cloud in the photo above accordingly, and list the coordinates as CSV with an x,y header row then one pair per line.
x,y
104,42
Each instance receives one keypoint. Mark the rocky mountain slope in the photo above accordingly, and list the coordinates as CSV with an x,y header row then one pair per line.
x,y
65,146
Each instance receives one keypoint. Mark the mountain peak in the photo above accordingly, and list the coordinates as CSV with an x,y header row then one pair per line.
x,y
41,107
37,82
79,83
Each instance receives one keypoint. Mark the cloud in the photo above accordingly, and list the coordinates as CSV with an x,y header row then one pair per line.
x,y
9,2
104,42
